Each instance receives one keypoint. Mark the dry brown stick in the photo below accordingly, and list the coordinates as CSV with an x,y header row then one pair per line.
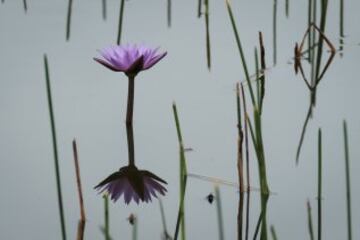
x,y
81,224
240,165
246,140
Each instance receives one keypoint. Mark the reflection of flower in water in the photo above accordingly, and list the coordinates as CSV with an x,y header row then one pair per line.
x,y
133,184
130,59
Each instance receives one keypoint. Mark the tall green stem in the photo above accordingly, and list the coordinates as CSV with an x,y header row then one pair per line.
x,y
347,173
121,14
319,184
56,159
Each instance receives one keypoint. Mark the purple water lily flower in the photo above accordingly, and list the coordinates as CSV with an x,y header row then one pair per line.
x,y
130,59
134,184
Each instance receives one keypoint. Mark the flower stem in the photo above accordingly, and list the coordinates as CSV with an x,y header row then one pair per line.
x,y
130,101
130,139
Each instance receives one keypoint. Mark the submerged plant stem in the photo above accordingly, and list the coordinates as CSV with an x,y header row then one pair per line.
x,y
347,174
219,213
169,13
130,101
68,21
103,9
55,150
310,225
319,185
81,224
208,53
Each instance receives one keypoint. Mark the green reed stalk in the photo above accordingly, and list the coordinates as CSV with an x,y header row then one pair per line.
x,y
106,217
121,15
273,233
341,18
68,20
324,4
310,4
103,9
183,179
312,33
219,213
168,13
259,150
208,53
199,8
310,225
347,174
238,42
275,32
287,6
319,184
54,141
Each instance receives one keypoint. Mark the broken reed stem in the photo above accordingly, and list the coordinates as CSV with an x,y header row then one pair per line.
x,y
240,164
68,20
347,174
55,150
121,14
246,140
81,224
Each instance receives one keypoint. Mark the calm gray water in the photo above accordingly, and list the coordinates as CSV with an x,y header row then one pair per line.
x,y
90,105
